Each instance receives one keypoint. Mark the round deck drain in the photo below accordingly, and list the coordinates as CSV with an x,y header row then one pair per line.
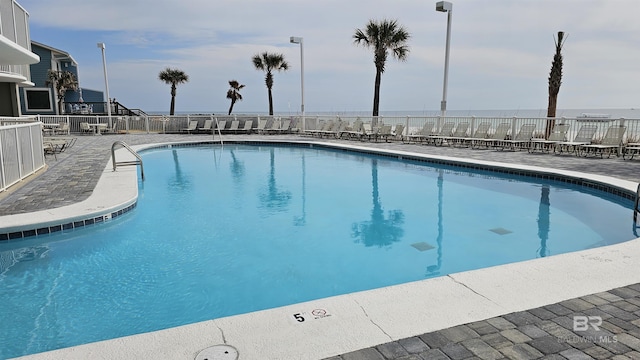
x,y
218,352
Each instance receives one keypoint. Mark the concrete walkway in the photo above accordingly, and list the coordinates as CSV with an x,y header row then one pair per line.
x,y
557,331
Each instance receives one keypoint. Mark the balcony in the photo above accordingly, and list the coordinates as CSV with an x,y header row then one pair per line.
x,y
15,45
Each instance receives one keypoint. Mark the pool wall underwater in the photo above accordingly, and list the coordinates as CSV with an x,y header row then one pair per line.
x,y
367,318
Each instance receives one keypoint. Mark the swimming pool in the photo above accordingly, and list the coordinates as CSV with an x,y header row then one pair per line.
x,y
291,205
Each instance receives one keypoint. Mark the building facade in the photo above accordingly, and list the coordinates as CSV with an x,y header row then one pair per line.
x,y
15,56
42,97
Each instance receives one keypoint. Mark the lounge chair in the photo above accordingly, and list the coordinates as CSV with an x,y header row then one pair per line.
x,y
246,128
397,132
193,125
63,129
522,138
219,126
499,135
337,129
275,126
353,131
480,134
262,125
445,131
421,135
85,128
324,128
583,137
233,128
611,142
458,134
330,127
630,150
558,134
206,127
383,132
367,131
296,128
283,127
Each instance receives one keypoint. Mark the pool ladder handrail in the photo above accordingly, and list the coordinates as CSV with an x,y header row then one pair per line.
x,y
138,160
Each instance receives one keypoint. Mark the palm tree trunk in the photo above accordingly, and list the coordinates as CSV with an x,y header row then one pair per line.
x,y
173,99
231,107
270,102
551,113
376,94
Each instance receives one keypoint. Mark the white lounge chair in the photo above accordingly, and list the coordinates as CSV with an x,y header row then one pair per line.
x,y
481,133
206,127
246,128
459,133
558,134
521,140
583,137
445,131
499,135
353,131
611,142
193,125
422,134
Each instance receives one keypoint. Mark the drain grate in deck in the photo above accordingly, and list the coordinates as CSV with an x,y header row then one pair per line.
x,y
218,352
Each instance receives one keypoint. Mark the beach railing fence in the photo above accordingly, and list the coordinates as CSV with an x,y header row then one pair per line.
x,y
412,124
21,149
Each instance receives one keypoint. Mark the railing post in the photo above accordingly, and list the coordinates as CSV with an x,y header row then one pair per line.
x,y
514,131
406,126
473,125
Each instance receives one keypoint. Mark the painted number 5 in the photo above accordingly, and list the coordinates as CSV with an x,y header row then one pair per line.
x,y
298,317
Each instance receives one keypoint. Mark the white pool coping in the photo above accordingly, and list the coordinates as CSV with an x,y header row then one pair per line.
x,y
368,318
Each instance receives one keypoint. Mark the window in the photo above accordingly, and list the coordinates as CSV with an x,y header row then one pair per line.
x,y
38,99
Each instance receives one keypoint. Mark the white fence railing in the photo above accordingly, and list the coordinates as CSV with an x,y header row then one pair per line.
x,y
178,123
21,151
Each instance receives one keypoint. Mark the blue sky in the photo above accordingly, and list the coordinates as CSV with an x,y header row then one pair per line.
x,y
501,52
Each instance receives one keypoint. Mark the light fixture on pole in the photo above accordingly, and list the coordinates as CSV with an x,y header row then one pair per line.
x,y
106,81
298,40
445,6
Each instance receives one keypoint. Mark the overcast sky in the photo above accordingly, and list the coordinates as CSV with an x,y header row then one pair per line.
x,y
501,52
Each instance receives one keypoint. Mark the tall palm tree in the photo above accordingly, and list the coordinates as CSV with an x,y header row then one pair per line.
x,y
61,82
383,36
378,230
544,220
173,77
555,80
268,62
233,93
274,198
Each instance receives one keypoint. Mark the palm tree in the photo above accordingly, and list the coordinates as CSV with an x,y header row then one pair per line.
x,y
544,220
274,198
234,93
268,62
61,82
555,80
173,77
383,36
378,230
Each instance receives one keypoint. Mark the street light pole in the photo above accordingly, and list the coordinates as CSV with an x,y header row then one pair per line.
x,y
106,81
298,40
445,6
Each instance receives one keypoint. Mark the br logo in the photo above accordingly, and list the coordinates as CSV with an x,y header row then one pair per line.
x,y
581,323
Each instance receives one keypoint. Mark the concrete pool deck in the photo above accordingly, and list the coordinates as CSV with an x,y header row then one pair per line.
x,y
521,310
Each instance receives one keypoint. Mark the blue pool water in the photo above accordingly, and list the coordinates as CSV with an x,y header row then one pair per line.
x,y
219,232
